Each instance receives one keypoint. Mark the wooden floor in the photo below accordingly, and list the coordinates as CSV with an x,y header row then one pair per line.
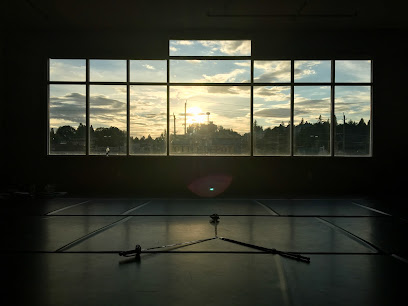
x,y
65,251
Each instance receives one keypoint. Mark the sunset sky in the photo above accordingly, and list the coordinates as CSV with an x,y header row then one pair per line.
x,y
228,105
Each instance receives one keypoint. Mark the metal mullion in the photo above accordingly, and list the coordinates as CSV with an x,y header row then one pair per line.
x,y
292,105
48,147
314,84
211,84
88,129
221,58
252,109
65,82
271,84
108,83
332,114
168,108
128,107
371,110
353,84
148,83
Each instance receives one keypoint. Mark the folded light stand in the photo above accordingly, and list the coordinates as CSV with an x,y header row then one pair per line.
x,y
215,220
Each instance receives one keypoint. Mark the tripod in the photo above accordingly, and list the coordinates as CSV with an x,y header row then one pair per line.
x,y
215,220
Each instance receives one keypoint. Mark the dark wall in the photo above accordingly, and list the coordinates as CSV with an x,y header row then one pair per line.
x,y
3,95
25,125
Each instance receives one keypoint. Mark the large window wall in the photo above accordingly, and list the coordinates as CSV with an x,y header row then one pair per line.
x,y
210,98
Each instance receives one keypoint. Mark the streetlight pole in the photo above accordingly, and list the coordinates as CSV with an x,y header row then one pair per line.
x,y
185,118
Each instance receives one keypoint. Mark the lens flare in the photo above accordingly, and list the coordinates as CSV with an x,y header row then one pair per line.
x,y
210,186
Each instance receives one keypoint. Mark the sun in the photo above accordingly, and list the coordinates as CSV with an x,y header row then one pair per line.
x,y
195,115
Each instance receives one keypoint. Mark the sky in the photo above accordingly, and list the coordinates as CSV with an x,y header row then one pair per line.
x,y
228,105
210,48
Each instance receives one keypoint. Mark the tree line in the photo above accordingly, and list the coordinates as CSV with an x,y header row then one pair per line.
x,y
309,138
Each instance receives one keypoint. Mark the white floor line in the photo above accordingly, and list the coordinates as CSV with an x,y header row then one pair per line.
x,y
349,234
400,258
270,210
96,232
135,208
372,209
65,208
283,282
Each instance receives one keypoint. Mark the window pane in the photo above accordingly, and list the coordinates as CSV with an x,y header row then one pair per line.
x,y
272,120
148,71
352,110
312,71
312,120
67,119
67,70
148,120
108,119
210,120
353,71
210,48
272,71
210,71
107,70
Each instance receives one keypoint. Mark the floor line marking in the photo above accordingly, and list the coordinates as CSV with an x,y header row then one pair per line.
x,y
270,210
351,235
91,234
196,252
135,208
283,282
400,258
372,209
66,207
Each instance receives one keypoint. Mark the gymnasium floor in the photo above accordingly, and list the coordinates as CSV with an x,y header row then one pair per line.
x,y
65,251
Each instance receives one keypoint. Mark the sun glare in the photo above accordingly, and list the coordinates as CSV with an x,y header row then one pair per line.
x,y
195,115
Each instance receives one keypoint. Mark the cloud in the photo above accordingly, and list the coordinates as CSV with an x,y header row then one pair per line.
x,y
232,90
300,112
108,70
271,91
273,113
355,105
272,71
100,101
193,61
300,73
272,94
149,67
230,77
315,103
67,70
229,47
236,47
353,71
308,63
67,110
274,77
243,64
153,115
182,42
70,108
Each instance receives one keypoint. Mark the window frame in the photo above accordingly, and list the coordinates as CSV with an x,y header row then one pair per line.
x,y
332,84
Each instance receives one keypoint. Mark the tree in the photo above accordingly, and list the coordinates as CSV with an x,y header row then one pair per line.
x,y
65,134
81,131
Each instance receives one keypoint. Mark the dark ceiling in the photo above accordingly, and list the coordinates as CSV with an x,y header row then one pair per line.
x,y
91,15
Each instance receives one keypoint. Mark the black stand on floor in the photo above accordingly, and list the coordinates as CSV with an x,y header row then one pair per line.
x,y
215,220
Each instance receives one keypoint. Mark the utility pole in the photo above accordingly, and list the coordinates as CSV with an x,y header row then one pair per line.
x,y
344,133
208,117
185,118
174,117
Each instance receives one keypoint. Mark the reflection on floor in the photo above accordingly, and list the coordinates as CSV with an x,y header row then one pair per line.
x,y
65,251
